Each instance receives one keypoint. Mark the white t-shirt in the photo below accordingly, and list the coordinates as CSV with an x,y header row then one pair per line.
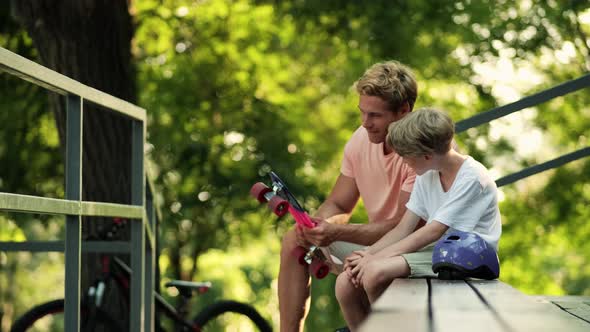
x,y
470,205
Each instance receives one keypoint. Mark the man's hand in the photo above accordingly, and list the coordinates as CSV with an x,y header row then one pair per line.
x,y
323,234
301,240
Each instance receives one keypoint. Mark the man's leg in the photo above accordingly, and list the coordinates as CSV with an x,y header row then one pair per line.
x,y
294,287
380,273
353,301
337,252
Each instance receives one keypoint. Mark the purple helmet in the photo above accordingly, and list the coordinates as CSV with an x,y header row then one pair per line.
x,y
459,255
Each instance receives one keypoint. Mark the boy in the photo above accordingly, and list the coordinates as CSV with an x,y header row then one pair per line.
x,y
452,191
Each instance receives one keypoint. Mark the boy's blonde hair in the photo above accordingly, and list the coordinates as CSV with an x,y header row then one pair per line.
x,y
423,132
390,81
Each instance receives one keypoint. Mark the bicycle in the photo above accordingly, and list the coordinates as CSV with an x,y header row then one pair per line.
x,y
93,317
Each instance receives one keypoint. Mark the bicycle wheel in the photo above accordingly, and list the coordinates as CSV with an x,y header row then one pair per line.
x,y
212,317
49,317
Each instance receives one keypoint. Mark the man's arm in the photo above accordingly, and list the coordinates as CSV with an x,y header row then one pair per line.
x,y
337,208
365,234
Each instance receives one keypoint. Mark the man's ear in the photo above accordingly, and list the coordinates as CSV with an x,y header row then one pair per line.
x,y
405,109
427,157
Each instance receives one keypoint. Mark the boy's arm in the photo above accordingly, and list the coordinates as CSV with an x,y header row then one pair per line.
x,y
365,234
406,226
416,240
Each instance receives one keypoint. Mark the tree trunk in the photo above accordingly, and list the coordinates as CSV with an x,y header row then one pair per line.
x,y
90,41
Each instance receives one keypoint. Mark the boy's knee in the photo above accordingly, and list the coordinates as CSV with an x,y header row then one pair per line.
x,y
374,277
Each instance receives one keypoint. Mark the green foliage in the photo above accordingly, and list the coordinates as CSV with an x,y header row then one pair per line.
x,y
235,89
545,248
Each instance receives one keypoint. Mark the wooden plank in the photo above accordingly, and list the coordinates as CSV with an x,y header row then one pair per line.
x,y
102,209
523,313
402,307
488,306
456,307
404,294
387,321
578,306
52,80
35,204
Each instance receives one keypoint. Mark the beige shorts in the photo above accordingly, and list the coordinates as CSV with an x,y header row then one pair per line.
x,y
336,252
420,262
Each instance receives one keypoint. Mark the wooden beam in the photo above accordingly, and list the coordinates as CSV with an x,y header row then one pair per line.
x,y
457,308
524,313
403,307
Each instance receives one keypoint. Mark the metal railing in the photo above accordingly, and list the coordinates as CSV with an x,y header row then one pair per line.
x,y
142,245
529,101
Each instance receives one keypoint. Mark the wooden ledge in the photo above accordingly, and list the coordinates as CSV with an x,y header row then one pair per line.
x,y
432,305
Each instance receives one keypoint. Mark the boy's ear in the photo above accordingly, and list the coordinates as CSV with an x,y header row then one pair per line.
x,y
427,157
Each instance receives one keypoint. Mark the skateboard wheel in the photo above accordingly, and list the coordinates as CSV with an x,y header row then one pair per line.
x,y
258,190
278,205
319,268
299,253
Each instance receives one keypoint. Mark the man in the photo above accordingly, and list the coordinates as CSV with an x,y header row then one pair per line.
x,y
370,170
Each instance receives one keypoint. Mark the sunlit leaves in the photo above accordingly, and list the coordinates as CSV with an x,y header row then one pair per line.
x,y
235,89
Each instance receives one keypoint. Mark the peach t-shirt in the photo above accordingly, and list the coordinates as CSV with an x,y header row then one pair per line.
x,y
379,177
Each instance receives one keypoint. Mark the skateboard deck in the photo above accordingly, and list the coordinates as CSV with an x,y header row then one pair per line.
x,y
281,201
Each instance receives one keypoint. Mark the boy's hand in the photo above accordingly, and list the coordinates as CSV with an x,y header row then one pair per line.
x,y
352,279
323,234
357,272
352,260
350,263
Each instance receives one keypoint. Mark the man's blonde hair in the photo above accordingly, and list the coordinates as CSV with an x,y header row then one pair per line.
x,y
390,81
423,132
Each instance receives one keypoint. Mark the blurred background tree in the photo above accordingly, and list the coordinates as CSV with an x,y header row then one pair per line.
x,y
234,89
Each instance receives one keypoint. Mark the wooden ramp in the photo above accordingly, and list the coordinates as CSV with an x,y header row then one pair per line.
x,y
433,305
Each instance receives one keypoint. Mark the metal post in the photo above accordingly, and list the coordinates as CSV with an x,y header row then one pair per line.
x,y
73,222
138,306
150,263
